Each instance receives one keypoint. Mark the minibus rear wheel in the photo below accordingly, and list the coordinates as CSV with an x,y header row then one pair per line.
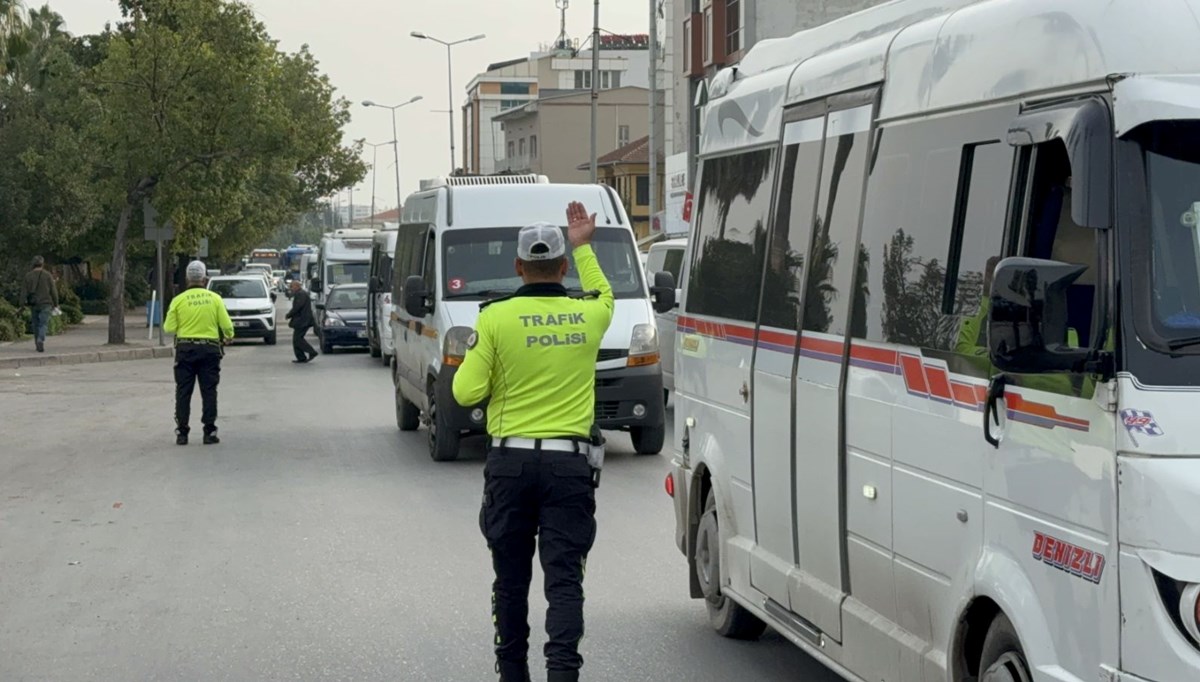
x,y
728,617
1002,659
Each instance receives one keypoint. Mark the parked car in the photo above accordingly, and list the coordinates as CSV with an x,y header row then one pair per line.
x,y
277,279
250,303
342,317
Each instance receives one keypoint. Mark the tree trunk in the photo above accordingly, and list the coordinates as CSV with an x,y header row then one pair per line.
x,y
116,295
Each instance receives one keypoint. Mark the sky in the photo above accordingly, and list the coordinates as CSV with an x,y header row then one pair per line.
x,y
365,48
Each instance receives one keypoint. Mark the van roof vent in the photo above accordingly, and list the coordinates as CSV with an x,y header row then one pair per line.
x,y
483,180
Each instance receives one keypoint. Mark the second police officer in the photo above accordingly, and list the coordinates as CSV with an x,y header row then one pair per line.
x,y
533,356
201,325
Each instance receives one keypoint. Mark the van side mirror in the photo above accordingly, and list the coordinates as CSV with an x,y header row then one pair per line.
x,y
663,292
1027,321
415,295
375,286
314,284
274,297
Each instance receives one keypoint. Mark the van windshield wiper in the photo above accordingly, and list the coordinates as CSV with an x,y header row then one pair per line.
x,y
1176,344
486,293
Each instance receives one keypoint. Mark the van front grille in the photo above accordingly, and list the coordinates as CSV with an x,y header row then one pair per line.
x,y
611,354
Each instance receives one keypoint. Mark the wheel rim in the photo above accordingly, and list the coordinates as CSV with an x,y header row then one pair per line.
x,y
1008,668
707,558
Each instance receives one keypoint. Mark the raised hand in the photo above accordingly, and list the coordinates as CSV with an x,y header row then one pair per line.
x,y
580,225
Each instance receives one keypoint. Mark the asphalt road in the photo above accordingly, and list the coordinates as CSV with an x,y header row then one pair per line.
x,y
316,542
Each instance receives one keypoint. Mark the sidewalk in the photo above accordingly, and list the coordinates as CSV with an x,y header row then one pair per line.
x,y
87,342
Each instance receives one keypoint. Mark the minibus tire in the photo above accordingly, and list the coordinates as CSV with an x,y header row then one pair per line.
x,y
648,440
408,415
443,440
376,351
1002,659
727,617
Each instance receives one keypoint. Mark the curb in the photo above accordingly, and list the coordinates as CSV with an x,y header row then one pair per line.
x,y
116,355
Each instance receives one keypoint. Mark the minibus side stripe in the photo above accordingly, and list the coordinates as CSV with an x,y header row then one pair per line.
x,y
922,378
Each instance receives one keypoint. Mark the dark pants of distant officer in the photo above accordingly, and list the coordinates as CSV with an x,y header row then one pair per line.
x,y
196,362
548,495
300,345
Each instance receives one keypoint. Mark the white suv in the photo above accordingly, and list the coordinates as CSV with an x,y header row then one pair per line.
x,y
251,305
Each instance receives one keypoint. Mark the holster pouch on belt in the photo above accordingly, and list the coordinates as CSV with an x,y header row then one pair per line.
x,y
595,454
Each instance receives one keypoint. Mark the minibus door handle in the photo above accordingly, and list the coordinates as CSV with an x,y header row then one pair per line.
x,y
991,410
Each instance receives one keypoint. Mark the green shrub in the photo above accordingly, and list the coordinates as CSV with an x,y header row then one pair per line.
x,y
11,322
67,295
94,307
92,290
72,314
137,291
56,326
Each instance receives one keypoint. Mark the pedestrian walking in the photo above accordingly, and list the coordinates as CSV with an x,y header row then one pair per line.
x,y
300,319
201,326
533,356
40,295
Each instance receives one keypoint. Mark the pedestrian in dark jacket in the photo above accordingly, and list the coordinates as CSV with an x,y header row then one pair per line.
x,y
300,319
39,293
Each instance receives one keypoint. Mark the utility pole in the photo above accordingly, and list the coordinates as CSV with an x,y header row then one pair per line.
x,y
595,84
653,112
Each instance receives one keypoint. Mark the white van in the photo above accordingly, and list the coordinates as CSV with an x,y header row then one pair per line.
x,y
667,257
456,248
343,257
939,348
379,308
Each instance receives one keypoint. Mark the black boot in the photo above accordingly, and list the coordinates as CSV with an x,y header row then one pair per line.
x,y
562,676
513,671
210,438
181,437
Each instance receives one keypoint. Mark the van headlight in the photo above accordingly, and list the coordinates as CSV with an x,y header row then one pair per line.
x,y
643,347
334,321
455,345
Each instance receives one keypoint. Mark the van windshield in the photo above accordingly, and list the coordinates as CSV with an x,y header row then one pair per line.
x,y
1172,161
478,263
347,273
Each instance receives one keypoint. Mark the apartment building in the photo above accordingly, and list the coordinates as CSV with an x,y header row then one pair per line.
x,y
548,136
624,62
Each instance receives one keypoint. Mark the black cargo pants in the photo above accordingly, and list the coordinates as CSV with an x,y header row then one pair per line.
x,y
202,363
548,495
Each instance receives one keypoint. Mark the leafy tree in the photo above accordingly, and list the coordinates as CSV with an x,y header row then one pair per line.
x,y
193,108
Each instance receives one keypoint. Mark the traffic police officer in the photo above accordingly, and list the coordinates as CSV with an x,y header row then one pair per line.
x,y
533,354
201,325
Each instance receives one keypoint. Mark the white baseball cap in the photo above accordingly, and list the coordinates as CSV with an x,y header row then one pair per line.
x,y
541,241
196,271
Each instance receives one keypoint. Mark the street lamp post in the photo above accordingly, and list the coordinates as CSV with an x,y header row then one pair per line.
x,y
450,80
374,172
396,141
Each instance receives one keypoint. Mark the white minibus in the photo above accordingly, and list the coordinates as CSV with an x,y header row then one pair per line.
x,y
938,357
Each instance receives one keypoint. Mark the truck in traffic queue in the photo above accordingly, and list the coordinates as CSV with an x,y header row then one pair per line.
x,y
938,355
343,257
